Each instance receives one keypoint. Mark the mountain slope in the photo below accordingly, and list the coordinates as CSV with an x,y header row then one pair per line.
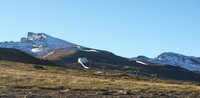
x,y
37,44
174,59
104,60
15,55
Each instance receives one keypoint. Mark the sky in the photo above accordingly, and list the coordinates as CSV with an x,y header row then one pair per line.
x,y
125,27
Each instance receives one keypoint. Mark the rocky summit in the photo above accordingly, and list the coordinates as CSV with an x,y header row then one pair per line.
x,y
37,44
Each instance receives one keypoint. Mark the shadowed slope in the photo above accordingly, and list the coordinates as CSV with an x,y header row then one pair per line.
x,y
109,61
19,56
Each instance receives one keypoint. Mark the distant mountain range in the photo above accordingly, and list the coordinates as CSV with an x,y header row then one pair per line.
x,y
66,54
174,59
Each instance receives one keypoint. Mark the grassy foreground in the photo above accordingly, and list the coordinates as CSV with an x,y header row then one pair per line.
x,y
25,80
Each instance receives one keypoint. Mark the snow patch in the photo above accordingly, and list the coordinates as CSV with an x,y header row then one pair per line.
x,y
79,48
47,55
142,63
91,51
83,60
35,50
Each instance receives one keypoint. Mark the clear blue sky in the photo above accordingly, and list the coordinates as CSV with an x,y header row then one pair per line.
x,y
125,27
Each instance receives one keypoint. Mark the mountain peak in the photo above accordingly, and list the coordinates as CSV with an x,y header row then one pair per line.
x,y
31,37
168,54
175,59
38,43
141,58
36,36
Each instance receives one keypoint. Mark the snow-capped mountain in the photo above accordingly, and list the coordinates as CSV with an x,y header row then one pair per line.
x,y
188,62
38,43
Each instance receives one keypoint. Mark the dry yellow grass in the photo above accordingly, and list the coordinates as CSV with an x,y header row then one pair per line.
x,y
20,75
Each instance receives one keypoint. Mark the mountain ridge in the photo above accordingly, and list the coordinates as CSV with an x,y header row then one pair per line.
x,y
170,58
37,43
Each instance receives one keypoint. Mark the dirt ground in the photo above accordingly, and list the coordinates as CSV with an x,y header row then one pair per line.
x,y
65,93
